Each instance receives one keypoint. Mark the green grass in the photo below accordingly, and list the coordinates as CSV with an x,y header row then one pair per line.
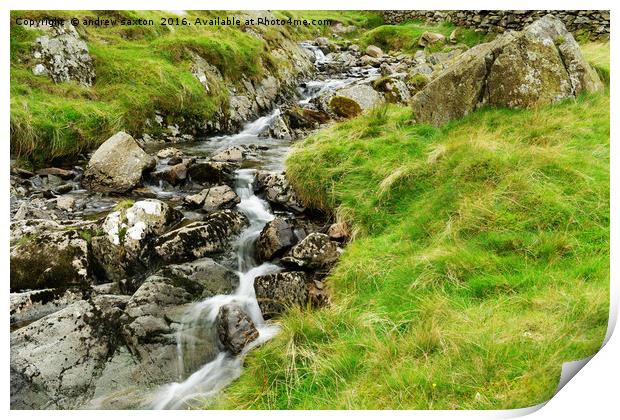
x,y
405,37
480,262
139,70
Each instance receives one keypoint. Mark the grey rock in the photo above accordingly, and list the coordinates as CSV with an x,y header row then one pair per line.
x,y
275,238
313,252
117,165
276,293
235,328
278,191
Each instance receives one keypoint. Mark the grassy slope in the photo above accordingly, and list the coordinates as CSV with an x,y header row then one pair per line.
x,y
139,70
481,262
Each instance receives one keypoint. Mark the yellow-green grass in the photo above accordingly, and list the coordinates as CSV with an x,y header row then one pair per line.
x,y
480,262
139,69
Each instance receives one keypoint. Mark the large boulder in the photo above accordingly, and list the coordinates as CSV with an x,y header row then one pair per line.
x,y
235,328
212,173
374,51
32,305
230,154
117,165
538,66
55,360
315,251
50,259
200,239
213,278
431,38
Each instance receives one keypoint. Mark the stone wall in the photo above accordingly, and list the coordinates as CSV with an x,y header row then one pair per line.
x,y
593,22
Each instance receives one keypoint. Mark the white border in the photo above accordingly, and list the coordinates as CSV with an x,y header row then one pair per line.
x,y
594,391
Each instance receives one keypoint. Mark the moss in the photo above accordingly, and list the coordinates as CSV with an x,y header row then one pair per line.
x,y
344,107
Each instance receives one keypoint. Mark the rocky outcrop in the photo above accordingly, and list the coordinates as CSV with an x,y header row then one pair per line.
x,y
117,165
213,278
63,56
55,360
200,239
30,306
361,94
538,66
235,328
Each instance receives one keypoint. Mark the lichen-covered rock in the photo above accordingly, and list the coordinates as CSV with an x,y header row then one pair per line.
x,y
50,259
169,152
214,198
277,292
298,117
394,89
29,306
313,252
173,174
538,66
126,245
235,328
63,56
275,238
55,360
200,239
117,165
277,190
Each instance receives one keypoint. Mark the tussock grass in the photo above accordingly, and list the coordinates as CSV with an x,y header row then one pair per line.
x,y
481,262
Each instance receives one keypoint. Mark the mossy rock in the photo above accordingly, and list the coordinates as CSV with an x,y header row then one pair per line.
x,y
344,107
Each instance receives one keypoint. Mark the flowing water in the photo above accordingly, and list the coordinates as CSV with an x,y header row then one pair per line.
x,y
200,318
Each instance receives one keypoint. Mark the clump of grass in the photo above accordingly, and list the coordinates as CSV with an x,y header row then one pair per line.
x,y
480,264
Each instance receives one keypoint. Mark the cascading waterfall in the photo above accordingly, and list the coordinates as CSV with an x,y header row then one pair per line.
x,y
200,318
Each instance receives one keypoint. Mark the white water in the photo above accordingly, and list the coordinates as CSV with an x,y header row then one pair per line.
x,y
200,318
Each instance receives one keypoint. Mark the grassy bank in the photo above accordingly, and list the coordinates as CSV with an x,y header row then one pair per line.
x,y
139,69
480,264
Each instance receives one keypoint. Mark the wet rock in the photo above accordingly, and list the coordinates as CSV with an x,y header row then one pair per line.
x,y
315,251
277,190
275,238
211,172
431,38
200,239
235,328
213,278
117,165
55,360
50,259
231,154
276,293
374,51
304,118
278,129
220,197
28,229
540,65
173,175
63,55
